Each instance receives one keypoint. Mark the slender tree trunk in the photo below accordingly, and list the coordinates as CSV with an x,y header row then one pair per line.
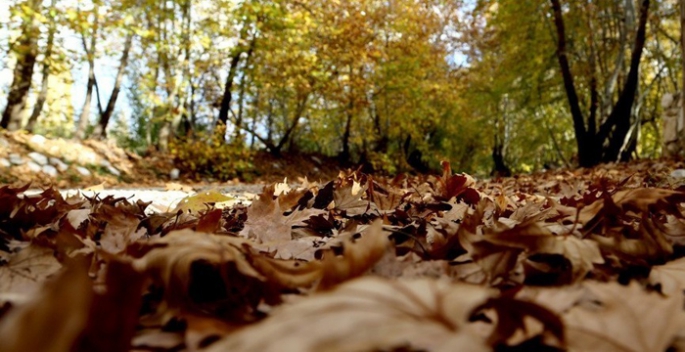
x,y
228,87
345,154
500,168
26,51
617,125
301,106
84,117
591,146
42,96
101,128
241,94
586,154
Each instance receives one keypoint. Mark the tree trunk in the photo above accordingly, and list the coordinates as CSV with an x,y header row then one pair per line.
x,y
226,99
241,94
301,106
101,128
42,96
345,154
26,51
616,127
591,146
84,117
586,155
500,168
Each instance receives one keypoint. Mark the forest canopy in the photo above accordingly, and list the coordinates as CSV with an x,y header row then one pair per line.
x,y
492,86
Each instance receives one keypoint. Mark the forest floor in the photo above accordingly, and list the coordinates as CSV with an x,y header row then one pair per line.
x,y
66,163
577,260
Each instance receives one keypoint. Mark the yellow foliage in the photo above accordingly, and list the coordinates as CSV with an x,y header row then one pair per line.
x,y
211,156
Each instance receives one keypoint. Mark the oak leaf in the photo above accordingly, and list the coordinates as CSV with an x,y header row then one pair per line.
x,y
266,222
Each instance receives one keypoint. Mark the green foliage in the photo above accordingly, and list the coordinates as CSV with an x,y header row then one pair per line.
x,y
365,80
208,155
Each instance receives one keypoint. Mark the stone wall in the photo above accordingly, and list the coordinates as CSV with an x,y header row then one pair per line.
x,y
673,136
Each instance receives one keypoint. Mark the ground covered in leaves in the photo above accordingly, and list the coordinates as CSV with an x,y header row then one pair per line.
x,y
591,260
70,163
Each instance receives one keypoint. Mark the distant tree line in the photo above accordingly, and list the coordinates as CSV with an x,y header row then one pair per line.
x,y
493,86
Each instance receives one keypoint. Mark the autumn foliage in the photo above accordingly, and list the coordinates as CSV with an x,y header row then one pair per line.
x,y
590,260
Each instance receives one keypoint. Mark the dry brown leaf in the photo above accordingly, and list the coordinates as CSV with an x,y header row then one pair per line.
x,y
623,318
77,216
671,277
26,270
113,313
556,299
647,199
648,242
191,264
121,228
371,314
348,198
266,222
356,258
52,320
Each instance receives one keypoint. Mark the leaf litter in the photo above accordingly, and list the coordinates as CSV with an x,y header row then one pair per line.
x,y
591,260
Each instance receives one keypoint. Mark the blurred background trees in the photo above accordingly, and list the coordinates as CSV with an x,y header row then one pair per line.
x,y
493,86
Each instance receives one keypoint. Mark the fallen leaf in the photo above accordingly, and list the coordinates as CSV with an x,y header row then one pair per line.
x,y
671,277
370,314
198,202
53,319
623,318
27,269
266,222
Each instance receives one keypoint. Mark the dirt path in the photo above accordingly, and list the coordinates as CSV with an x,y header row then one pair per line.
x,y
162,199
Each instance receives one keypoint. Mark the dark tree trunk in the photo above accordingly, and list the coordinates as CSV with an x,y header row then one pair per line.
x,y
617,125
346,154
606,144
241,94
414,157
228,88
500,168
101,128
26,51
586,156
43,94
274,148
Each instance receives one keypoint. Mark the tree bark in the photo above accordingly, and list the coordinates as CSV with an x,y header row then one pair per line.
x,y
42,96
26,50
228,86
616,127
592,147
586,154
241,94
101,128
84,117
500,168
345,154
